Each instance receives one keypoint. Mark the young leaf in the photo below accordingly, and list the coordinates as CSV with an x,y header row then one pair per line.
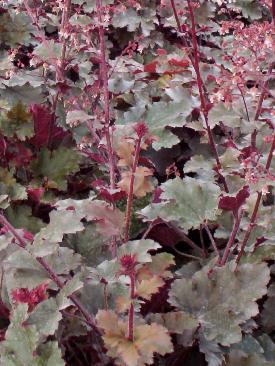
x,y
148,339
139,248
147,287
142,182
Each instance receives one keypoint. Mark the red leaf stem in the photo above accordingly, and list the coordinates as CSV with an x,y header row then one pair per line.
x,y
256,206
268,162
260,104
64,22
42,36
131,314
104,77
214,245
201,88
185,44
60,74
231,241
131,191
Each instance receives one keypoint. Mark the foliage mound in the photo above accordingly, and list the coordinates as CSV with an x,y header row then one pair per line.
x,y
137,182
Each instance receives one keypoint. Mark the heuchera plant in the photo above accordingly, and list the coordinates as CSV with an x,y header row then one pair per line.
x,y
137,182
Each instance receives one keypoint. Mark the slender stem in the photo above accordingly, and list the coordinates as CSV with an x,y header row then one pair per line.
x,y
131,191
263,93
212,240
59,69
231,241
260,104
54,277
250,226
72,297
202,95
187,255
105,291
104,77
107,128
184,41
150,227
64,22
270,155
113,246
131,314
264,88
188,240
268,162
42,36
176,15
51,124
244,102
256,206
20,241
202,241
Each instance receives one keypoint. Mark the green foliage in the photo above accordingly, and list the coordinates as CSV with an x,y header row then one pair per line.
x,y
137,181
15,28
10,188
21,217
17,121
20,345
179,205
56,166
223,300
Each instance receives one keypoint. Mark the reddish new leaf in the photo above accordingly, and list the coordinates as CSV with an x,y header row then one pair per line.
x,y
178,63
35,194
30,297
231,203
42,119
151,67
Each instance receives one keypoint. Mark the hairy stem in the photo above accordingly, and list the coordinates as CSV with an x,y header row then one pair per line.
x,y
53,116
268,162
131,314
54,277
202,241
107,128
256,206
214,245
244,102
130,197
264,88
64,22
231,241
250,226
202,95
104,80
184,41
58,67
260,104
42,36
